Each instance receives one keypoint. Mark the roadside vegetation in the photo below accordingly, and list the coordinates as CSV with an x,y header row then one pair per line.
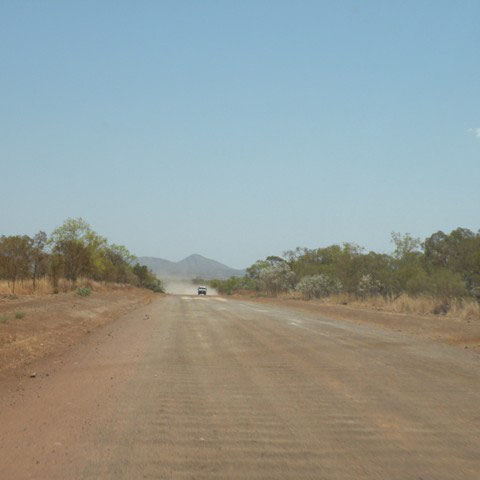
x,y
440,275
73,257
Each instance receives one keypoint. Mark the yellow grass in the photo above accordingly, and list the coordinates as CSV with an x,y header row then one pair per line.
x,y
44,286
457,308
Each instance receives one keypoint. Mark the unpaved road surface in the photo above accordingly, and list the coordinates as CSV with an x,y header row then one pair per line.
x,y
184,287
451,330
204,388
50,324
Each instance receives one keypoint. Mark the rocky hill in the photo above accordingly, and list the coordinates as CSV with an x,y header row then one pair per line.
x,y
190,267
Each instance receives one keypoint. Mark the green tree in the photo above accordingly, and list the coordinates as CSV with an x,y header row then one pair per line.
x,y
409,274
80,248
232,284
406,246
318,286
447,284
277,278
254,270
458,252
147,278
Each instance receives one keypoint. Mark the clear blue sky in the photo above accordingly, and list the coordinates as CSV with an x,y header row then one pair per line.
x,y
240,129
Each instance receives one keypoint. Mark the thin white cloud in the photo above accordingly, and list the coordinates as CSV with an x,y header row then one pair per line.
x,y
475,131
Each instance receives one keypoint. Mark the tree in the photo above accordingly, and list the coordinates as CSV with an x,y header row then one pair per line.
x,y
79,246
368,286
55,269
318,286
277,278
15,252
254,270
116,265
379,267
147,278
408,274
39,256
231,285
406,246
458,252
448,284
437,250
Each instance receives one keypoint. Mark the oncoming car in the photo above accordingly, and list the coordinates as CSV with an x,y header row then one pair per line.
x,y
202,290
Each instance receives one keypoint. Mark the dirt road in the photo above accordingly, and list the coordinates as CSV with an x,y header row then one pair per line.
x,y
33,327
205,388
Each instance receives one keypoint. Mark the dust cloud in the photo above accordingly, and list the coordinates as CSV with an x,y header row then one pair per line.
x,y
177,286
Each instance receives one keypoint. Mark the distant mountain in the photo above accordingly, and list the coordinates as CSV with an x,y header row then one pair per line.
x,y
190,267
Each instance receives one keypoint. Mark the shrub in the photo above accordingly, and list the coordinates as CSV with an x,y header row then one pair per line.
x,y
368,286
19,315
233,285
147,279
277,278
475,292
447,284
318,286
157,287
84,291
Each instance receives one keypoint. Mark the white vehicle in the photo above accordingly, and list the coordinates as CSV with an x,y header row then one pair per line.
x,y
202,290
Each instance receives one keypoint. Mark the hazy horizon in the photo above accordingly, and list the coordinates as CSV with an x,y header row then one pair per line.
x,y
238,131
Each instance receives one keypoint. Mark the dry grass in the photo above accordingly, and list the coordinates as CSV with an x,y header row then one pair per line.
x,y
456,308
44,287
460,308
25,288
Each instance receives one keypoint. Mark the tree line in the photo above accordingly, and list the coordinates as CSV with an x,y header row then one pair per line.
x,y
443,265
71,252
